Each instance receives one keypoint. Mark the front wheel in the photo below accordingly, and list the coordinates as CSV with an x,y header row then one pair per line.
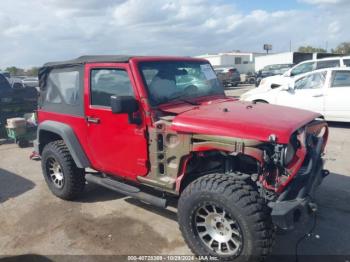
x,y
222,216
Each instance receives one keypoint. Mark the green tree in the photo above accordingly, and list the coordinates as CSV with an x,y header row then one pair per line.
x,y
32,71
15,71
311,49
343,48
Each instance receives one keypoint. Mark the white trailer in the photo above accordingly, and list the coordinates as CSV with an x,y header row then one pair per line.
x,y
287,58
243,62
272,59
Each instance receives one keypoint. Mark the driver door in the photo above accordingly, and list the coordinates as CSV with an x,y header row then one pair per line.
x,y
117,147
308,93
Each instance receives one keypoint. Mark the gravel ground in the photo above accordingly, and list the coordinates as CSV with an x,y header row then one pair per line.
x,y
102,222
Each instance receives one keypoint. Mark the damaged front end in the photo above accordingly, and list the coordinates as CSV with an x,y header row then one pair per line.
x,y
299,179
286,175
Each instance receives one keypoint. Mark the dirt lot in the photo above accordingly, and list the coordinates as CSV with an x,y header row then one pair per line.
x,y
33,221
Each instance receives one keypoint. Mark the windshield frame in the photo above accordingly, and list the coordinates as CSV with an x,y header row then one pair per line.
x,y
177,99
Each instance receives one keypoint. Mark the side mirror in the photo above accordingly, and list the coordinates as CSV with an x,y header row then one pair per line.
x,y
126,104
288,73
289,88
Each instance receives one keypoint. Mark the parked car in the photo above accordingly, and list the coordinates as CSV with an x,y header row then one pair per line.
x,y
325,91
271,70
30,82
228,76
248,78
16,83
15,100
232,167
302,68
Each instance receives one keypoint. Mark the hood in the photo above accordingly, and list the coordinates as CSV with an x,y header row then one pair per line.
x,y
277,79
241,119
255,91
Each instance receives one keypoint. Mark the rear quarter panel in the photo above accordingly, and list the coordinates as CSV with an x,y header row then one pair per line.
x,y
77,123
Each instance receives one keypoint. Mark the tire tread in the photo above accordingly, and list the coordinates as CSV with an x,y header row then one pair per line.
x,y
74,176
244,195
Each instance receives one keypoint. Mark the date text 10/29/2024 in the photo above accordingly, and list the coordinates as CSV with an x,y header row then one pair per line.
x,y
171,258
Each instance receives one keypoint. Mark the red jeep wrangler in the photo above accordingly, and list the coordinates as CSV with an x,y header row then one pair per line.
x,y
156,128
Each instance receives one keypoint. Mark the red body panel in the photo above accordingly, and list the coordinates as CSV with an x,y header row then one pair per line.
x,y
242,120
77,123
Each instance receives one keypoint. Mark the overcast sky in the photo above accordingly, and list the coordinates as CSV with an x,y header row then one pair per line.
x,y
36,31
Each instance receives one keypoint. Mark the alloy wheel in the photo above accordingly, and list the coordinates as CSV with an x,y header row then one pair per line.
x,y
218,230
55,172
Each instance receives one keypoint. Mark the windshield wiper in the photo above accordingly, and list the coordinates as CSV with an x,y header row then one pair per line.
x,y
189,102
180,98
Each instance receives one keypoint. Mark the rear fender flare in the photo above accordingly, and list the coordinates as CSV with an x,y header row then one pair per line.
x,y
70,139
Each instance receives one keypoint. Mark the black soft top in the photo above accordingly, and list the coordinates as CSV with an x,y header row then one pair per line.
x,y
91,59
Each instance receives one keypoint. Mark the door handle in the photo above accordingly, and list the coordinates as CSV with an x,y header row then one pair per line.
x,y
320,95
93,120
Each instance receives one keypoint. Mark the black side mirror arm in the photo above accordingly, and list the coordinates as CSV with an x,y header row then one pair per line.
x,y
134,118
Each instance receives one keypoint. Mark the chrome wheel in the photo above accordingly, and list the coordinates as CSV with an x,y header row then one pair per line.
x,y
55,172
218,230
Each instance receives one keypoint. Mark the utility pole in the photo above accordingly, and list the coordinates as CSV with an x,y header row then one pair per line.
x,y
290,45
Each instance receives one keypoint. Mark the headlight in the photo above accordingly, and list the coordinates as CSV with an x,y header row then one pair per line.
x,y
262,82
288,154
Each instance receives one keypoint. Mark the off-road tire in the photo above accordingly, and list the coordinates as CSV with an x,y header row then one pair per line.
x,y
74,180
22,143
242,201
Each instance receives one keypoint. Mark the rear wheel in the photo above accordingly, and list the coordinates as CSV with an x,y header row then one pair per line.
x,y
63,177
223,216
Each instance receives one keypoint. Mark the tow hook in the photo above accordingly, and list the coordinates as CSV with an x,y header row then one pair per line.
x,y
325,173
313,207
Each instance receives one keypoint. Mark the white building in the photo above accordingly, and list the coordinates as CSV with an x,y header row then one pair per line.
x,y
244,62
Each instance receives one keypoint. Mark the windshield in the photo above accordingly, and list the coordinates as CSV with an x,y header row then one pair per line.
x,y
175,80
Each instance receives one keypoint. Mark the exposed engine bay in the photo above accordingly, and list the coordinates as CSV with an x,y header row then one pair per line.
x,y
271,166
